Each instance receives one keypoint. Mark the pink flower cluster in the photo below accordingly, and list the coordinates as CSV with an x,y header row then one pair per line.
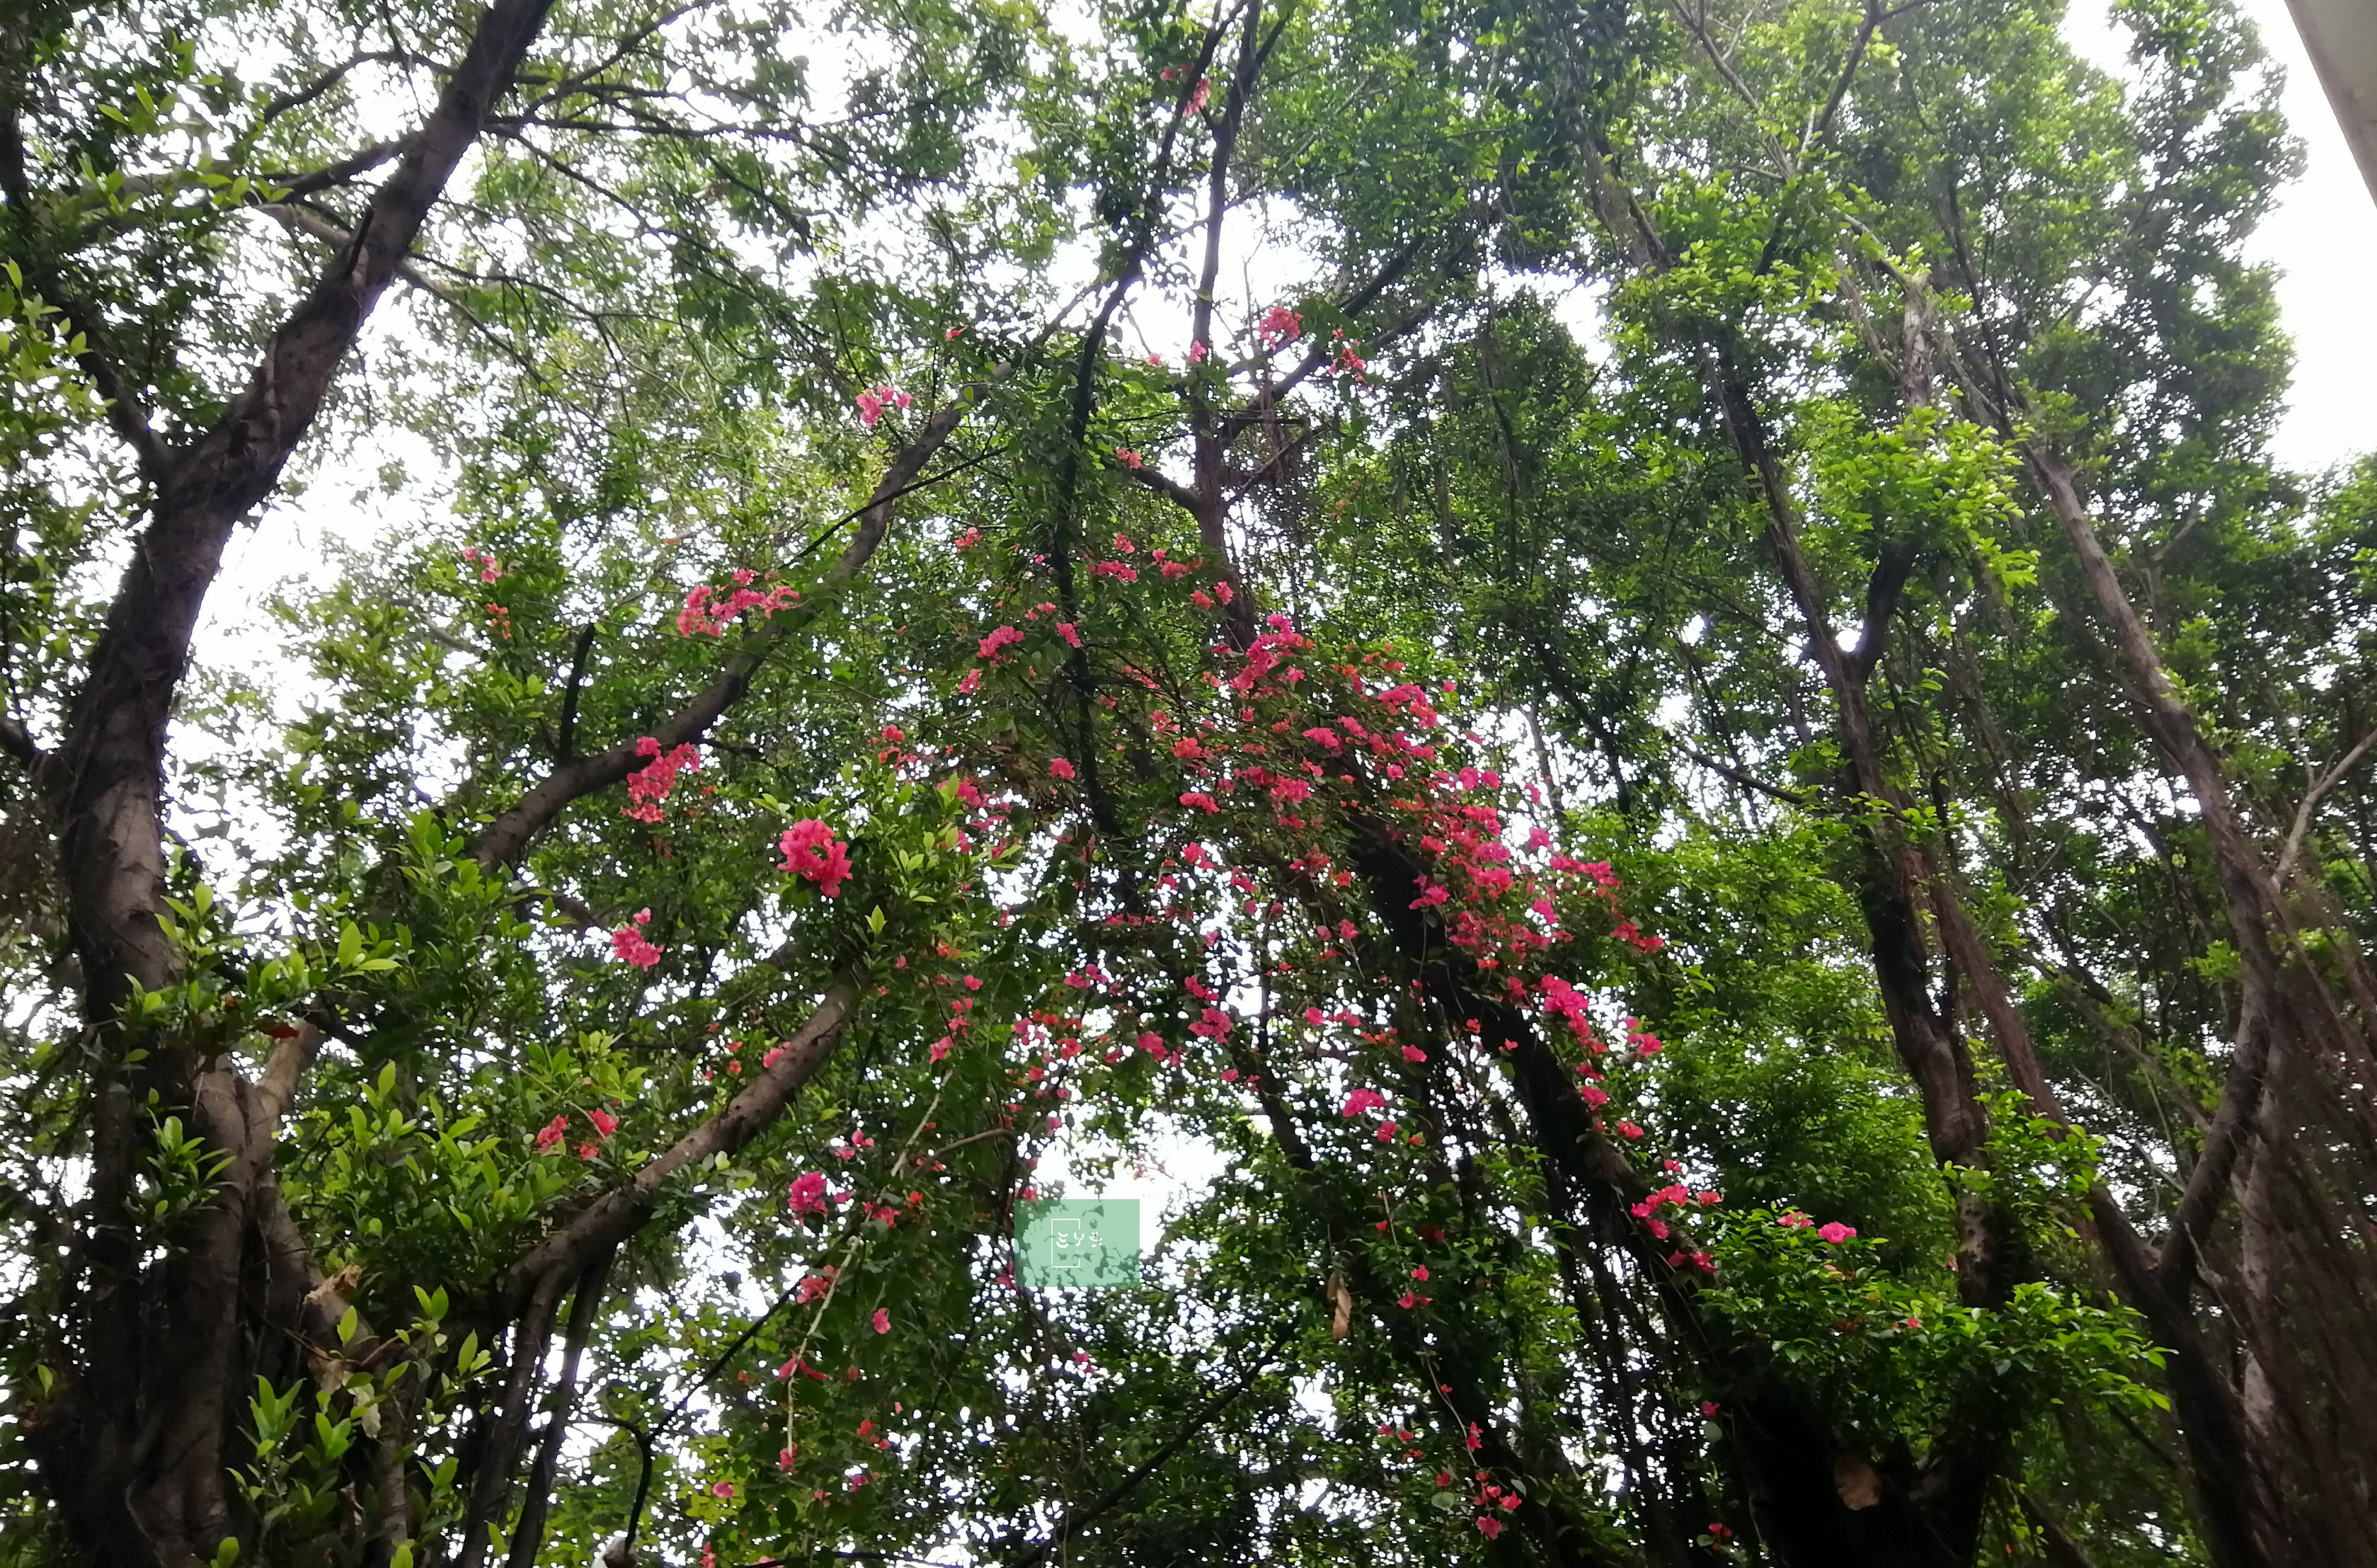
x,y
649,786
1348,363
1279,325
553,1134
875,400
807,1195
709,612
490,568
629,944
812,853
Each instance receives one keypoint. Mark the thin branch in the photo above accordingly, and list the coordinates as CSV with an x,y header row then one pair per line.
x,y
1746,779
1171,489
1820,127
39,765
1881,592
1073,1521
298,98
503,839
125,414
619,1213
2319,791
307,222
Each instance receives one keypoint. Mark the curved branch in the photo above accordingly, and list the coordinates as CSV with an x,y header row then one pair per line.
x,y
621,1212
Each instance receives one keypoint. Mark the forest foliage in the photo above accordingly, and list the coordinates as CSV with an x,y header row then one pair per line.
x,y
1634,674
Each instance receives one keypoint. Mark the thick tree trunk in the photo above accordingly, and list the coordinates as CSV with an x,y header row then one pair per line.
x,y
133,1447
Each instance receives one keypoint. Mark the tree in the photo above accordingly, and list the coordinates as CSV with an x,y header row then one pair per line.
x,y
1764,917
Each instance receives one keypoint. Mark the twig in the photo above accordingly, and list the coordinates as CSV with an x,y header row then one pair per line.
x,y
2312,797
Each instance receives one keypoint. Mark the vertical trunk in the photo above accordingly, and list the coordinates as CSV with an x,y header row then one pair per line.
x,y
134,1444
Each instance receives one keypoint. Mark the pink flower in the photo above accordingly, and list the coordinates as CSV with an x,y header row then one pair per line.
x,y
1489,1527
940,1048
1061,768
1128,458
882,1321
629,944
806,1194
1412,1053
870,408
1279,325
1594,1095
1709,1409
650,785
723,1489
1629,1129
812,852
971,683
1361,1100
605,1122
1069,632
549,1137
1198,354
1197,96
1836,1232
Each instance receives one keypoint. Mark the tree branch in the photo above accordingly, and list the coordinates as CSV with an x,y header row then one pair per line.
x,y
125,414
619,1213
1746,779
117,727
1202,1418
2319,791
503,839
565,740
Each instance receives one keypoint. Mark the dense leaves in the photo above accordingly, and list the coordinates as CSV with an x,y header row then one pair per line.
x,y
1628,681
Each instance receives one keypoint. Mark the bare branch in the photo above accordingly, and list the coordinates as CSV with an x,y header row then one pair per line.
x,y
1746,779
2319,791
305,221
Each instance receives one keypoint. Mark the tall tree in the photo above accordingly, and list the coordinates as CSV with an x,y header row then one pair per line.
x,y
1759,914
